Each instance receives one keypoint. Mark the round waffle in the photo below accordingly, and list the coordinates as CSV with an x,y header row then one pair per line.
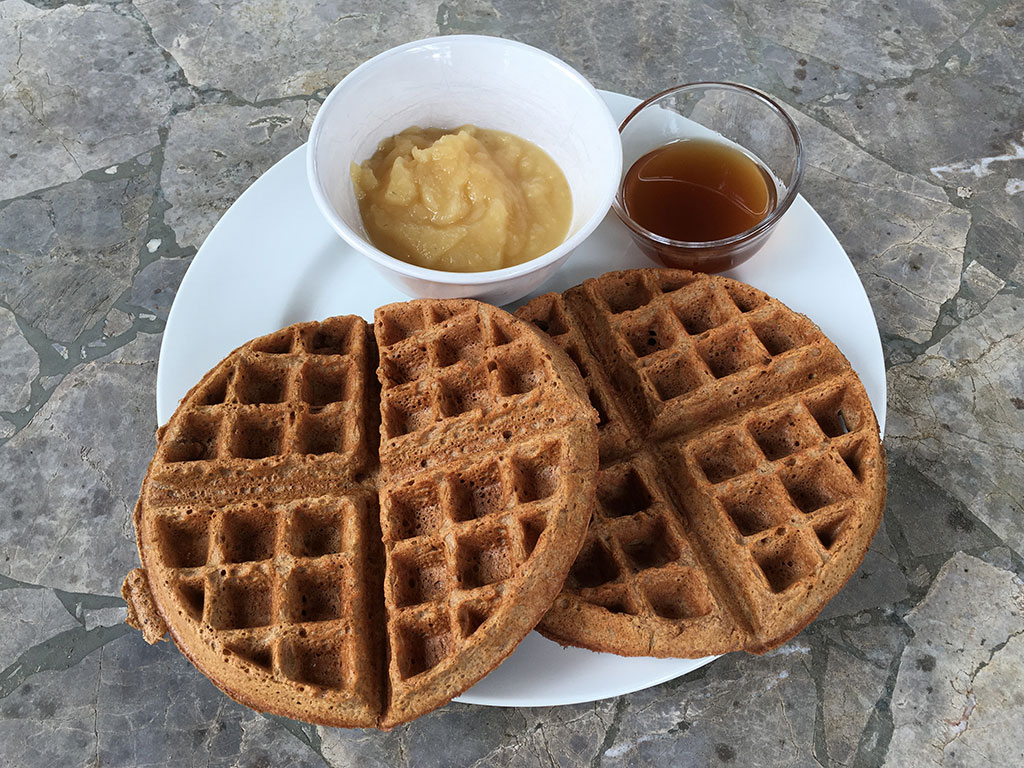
x,y
741,478
350,553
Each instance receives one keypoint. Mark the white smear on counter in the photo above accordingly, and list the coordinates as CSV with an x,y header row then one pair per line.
x,y
981,167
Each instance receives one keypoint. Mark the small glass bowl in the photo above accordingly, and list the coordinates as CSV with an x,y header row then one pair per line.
x,y
737,114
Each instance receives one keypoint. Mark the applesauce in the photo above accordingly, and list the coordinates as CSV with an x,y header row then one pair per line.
x,y
463,200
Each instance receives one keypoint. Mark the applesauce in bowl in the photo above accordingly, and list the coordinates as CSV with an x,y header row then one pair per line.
x,y
458,80
462,200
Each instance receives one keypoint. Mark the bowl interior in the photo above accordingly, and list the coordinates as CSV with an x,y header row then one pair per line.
x,y
452,81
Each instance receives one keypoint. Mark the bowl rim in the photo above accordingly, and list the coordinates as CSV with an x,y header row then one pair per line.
x,y
748,234
366,248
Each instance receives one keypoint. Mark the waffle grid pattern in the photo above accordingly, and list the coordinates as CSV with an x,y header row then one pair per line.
x,y
275,585
786,455
437,366
761,475
312,571
265,579
617,433
296,392
454,541
637,559
459,535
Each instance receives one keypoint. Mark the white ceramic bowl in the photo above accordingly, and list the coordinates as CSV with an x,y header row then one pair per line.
x,y
445,82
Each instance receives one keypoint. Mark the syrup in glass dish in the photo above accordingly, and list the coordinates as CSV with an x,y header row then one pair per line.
x,y
697,191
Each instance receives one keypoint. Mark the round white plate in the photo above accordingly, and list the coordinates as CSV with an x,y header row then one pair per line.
x,y
272,261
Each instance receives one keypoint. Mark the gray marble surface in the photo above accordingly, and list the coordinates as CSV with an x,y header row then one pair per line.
x,y
128,128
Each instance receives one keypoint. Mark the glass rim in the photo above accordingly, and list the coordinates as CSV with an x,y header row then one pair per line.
x,y
747,234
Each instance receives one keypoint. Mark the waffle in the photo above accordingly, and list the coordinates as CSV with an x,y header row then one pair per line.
x,y
741,477
354,552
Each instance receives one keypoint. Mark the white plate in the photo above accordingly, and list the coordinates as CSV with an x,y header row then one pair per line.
x,y
272,260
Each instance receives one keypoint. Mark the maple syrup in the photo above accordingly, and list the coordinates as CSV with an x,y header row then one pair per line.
x,y
698,190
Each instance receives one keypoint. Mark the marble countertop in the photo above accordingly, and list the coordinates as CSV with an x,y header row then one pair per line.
x,y
128,128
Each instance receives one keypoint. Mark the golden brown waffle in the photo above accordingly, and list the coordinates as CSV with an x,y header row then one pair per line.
x,y
315,571
742,475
